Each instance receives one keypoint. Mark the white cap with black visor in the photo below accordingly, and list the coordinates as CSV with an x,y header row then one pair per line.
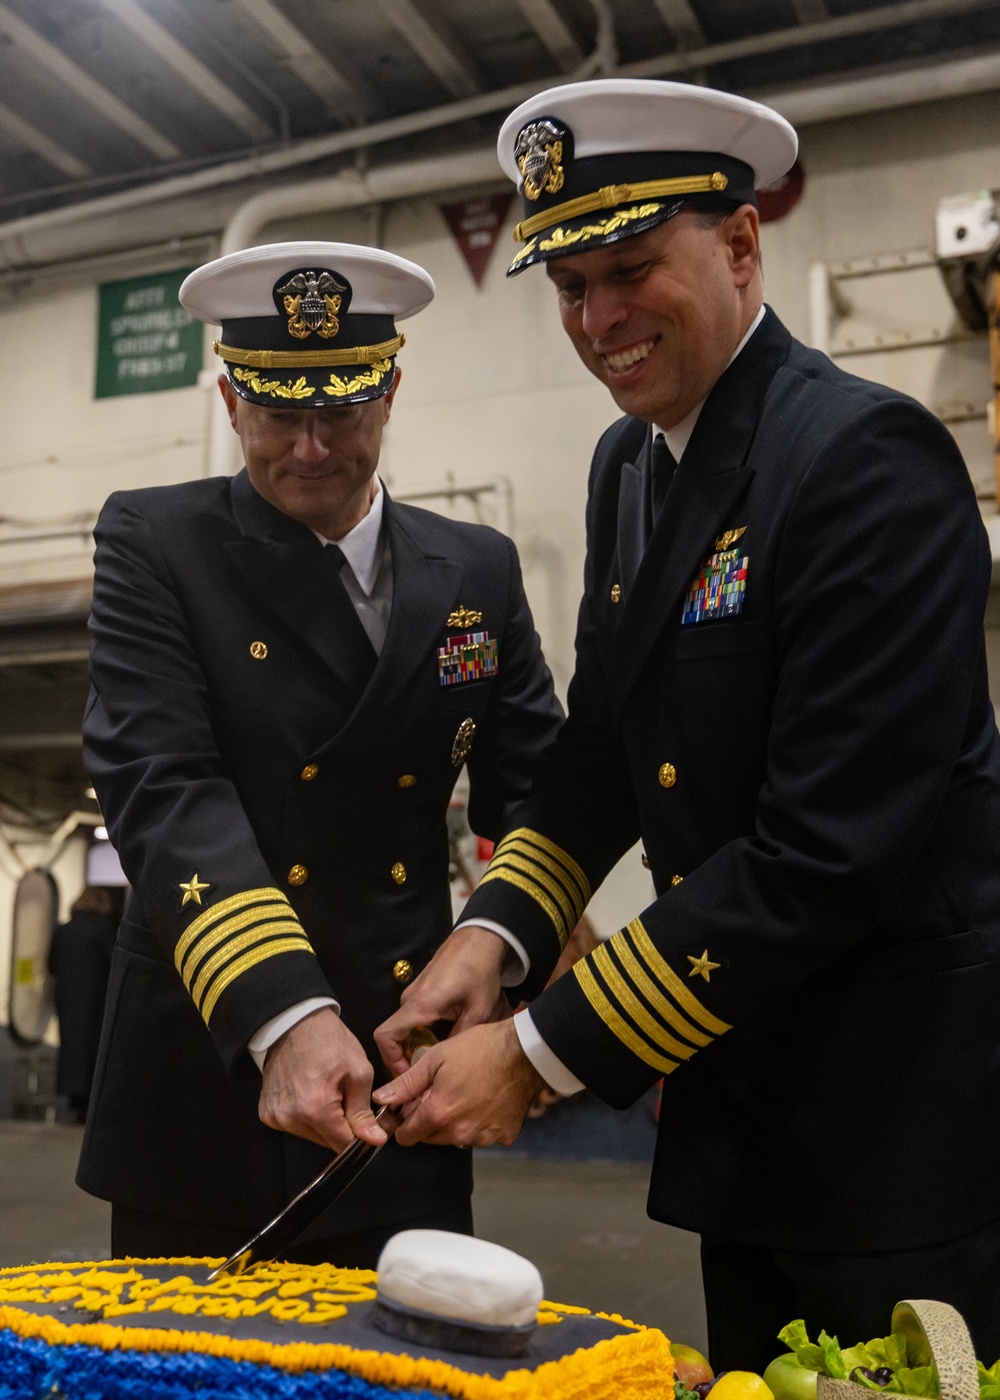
x,y
603,160
308,324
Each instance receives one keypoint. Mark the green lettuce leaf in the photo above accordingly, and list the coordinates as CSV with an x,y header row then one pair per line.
x,y
796,1338
887,1351
989,1381
828,1358
833,1358
681,1392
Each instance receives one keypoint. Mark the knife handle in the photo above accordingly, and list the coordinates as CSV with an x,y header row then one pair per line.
x,y
418,1042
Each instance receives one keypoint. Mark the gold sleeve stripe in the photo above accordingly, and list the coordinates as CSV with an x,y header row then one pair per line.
x,y
510,859
533,891
209,939
634,1008
563,858
668,978
232,946
653,994
576,902
615,1024
220,911
245,963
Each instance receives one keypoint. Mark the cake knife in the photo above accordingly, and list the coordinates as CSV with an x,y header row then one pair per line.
x,y
332,1182
289,1223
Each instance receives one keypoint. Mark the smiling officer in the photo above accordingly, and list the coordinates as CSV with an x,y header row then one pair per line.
x,y
288,672
781,688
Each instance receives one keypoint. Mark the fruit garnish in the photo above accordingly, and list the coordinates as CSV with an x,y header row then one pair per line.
x,y
740,1385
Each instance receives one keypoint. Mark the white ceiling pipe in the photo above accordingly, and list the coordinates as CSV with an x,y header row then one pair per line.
x,y
352,188
882,92
15,235
349,190
15,249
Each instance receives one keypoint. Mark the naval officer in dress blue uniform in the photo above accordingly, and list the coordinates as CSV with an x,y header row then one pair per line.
x,y
289,670
781,689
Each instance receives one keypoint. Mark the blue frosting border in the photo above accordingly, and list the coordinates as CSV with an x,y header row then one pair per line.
x,y
31,1369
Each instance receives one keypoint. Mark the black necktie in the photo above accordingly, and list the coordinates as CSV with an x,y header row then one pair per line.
x,y
352,639
662,466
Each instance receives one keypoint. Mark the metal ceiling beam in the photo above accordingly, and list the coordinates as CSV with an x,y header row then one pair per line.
x,y
306,61
927,83
74,77
42,145
682,22
187,66
810,11
553,31
453,69
884,17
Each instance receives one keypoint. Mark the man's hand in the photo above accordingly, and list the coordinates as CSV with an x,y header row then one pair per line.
x,y
318,1084
461,983
472,1090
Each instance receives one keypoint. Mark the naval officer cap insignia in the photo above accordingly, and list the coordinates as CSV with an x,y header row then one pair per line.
x,y
603,160
308,325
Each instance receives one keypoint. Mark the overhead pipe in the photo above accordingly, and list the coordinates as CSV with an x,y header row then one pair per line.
x,y
854,97
968,75
351,189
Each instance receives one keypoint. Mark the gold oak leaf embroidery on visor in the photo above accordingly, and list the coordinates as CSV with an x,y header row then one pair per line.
x,y
341,388
566,238
274,387
545,873
232,937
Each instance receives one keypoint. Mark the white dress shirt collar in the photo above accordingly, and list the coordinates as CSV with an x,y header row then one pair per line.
x,y
679,436
361,545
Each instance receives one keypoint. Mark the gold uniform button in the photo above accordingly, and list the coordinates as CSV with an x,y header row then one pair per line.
x,y
675,880
645,860
258,650
398,873
667,775
309,772
616,593
298,875
406,780
403,971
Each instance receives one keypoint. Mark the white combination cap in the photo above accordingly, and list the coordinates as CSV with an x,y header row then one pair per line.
x,y
325,313
604,160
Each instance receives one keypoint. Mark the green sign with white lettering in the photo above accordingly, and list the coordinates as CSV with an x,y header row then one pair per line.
x,y
146,341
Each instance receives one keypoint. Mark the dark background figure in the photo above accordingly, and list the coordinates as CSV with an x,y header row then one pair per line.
x,y
80,962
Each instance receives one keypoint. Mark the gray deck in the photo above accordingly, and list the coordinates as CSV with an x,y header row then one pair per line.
x,y
583,1223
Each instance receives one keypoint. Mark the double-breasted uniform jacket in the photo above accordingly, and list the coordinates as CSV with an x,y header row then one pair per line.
x,y
283,838
801,734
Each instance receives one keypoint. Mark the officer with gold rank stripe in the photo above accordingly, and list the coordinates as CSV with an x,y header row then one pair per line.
x,y
288,672
781,688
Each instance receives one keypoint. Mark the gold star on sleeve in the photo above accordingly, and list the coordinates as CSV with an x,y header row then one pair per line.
x,y
702,967
192,890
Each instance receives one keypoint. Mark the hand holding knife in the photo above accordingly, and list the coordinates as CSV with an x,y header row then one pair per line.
x,y
332,1182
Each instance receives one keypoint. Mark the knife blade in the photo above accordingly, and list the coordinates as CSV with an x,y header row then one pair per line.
x,y
288,1224
335,1178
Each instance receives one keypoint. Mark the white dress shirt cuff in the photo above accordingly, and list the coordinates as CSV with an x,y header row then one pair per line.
x,y
274,1029
515,972
549,1066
